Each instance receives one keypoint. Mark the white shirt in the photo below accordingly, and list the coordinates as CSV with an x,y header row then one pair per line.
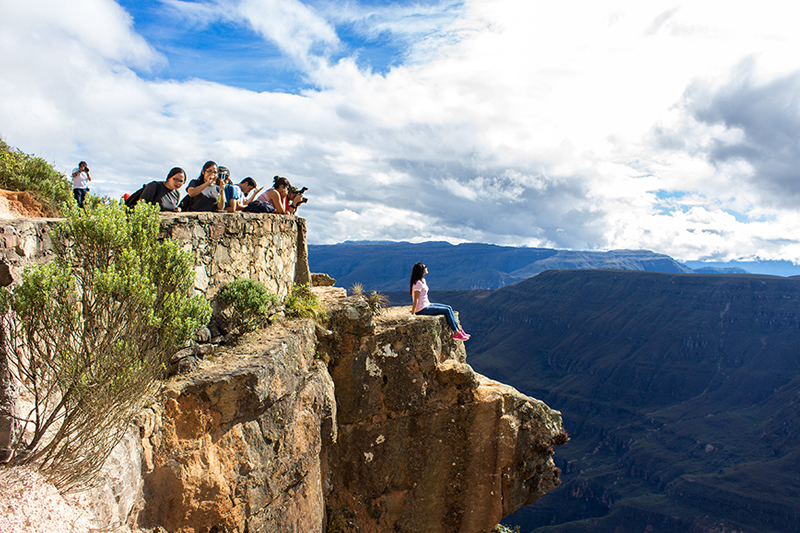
x,y
80,179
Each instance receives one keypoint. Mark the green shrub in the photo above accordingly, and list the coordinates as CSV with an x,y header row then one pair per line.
x,y
23,172
357,289
303,303
377,301
89,334
248,304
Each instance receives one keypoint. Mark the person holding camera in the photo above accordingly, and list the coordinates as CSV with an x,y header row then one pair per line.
x,y
80,182
203,192
295,196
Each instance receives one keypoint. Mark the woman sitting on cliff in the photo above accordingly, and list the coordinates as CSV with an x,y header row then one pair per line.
x,y
274,200
422,306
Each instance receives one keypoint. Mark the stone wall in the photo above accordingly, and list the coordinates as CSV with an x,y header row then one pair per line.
x,y
226,246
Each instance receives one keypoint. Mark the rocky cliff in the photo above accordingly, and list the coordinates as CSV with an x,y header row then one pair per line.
x,y
375,424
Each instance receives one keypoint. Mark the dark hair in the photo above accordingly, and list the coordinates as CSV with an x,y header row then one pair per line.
x,y
250,181
417,273
208,165
82,163
176,170
277,181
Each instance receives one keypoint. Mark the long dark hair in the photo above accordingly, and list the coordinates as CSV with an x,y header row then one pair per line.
x,y
277,181
176,170
417,273
208,164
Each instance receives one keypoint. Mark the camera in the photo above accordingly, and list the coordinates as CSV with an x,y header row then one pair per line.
x,y
295,191
223,173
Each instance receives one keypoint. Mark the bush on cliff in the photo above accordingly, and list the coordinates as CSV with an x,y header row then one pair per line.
x,y
88,335
303,303
23,172
248,304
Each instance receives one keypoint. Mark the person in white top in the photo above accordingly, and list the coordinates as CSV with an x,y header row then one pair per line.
x,y
422,306
80,182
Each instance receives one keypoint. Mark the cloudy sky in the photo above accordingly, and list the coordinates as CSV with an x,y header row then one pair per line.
x,y
589,125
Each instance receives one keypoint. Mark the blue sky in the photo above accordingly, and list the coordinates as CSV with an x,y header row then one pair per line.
x,y
590,125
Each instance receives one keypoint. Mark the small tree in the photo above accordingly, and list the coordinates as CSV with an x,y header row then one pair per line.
x,y
88,335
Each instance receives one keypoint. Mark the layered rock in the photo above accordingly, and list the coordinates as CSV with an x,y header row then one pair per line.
x,y
426,444
238,444
414,440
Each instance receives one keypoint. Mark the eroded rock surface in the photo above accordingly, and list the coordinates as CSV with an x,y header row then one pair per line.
x,y
426,444
238,444
415,441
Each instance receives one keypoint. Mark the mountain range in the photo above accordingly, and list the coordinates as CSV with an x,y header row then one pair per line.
x,y
680,393
680,390
386,266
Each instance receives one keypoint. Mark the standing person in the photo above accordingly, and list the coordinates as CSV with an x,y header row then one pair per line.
x,y
204,190
80,182
422,306
162,193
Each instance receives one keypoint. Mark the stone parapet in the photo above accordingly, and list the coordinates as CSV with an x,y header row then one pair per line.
x,y
268,248
227,246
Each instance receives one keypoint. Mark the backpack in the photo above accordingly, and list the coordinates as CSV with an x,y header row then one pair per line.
x,y
258,207
133,198
186,203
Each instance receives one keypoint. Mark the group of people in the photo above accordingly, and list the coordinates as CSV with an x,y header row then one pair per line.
x,y
212,190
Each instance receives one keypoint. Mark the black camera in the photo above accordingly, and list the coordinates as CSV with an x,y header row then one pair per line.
x,y
295,191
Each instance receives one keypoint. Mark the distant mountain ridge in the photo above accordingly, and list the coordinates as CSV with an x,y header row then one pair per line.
x,y
679,391
386,266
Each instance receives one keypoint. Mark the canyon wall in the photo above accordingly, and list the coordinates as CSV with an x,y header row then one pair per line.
x,y
362,423
376,424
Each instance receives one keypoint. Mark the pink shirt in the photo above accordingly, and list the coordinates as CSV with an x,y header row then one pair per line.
x,y
423,302
264,197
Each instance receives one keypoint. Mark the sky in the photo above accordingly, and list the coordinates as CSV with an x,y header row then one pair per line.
x,y
583,125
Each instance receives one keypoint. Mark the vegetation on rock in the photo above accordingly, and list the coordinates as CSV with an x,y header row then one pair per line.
x,y
88,335
303,303
248,304
23,172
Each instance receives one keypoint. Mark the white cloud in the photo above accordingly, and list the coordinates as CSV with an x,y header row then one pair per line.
x,y
573,124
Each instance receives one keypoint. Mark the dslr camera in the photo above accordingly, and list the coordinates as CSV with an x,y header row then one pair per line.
x,y
294,190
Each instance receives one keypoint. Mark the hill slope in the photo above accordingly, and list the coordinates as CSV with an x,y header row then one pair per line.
x,y
680,393
387,266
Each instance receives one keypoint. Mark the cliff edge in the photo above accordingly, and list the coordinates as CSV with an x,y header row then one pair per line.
x,y
394,433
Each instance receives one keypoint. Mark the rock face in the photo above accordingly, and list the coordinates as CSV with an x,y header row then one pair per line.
x,y
425,444
239,444
255,441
